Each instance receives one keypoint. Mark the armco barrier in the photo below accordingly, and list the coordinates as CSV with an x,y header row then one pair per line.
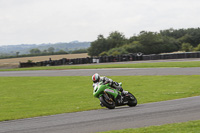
x,y
118,58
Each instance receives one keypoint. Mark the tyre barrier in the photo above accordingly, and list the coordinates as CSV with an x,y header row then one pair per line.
x,y
105,59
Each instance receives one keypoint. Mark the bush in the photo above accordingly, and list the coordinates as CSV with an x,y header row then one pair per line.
x,y
30,61
103,53
117,51
187,47
134,47
197,48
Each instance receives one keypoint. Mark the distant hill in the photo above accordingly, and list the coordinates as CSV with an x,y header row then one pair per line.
x,y
25,48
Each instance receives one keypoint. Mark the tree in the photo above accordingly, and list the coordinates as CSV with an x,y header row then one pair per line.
x,y
117,51
134,47
132,39
103,53
17,54
35,51
61,52
97,46
151,42
190,35
150,38
50,50
45,51
116,39
197,48
148,42
79,51
185,39
187,47
170,44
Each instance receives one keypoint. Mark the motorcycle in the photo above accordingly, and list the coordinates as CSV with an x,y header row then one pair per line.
x,y
111,98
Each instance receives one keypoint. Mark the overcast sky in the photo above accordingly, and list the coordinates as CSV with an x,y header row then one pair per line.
x,y
51,21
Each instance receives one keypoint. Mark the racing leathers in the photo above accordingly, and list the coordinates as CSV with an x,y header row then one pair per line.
x,y
112,83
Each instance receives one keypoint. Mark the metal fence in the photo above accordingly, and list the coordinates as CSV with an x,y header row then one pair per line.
x,y
118,58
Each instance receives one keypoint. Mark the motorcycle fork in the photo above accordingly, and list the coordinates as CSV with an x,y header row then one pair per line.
x,y
108,96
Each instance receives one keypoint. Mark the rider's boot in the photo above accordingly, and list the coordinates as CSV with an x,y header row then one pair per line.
x,y
123,92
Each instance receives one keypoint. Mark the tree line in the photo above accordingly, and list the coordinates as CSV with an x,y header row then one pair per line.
x,y
51,51
38,52
147,42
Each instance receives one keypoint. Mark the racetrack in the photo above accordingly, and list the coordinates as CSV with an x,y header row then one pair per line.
x,y
157,113
107,72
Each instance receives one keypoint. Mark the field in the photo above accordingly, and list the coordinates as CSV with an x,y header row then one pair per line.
x,y
14,62
38,96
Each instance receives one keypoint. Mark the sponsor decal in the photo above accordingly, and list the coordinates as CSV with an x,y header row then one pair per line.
x,y
108,90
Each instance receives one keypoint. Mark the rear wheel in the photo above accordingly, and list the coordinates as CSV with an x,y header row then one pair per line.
x,y
132,101
107,101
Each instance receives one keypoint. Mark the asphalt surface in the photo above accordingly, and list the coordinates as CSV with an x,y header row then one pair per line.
x,y
157,113
106,72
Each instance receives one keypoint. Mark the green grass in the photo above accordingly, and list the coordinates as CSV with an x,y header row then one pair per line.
x,y
133,65
185,127
23,97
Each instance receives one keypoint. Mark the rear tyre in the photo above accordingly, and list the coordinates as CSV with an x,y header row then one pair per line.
x,y
110,104
132,101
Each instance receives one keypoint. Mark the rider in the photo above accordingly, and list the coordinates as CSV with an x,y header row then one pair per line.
x,y
96,78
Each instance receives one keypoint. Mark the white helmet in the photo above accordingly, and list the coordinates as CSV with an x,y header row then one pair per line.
x,y
96,78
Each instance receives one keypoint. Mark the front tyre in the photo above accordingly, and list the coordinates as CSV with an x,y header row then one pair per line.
x,y
132,101
107,102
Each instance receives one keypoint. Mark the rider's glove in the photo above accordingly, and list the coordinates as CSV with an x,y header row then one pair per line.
x,y
110,82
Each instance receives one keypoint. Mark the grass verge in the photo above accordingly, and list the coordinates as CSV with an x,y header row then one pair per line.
x,y
185,127
133,65
23,97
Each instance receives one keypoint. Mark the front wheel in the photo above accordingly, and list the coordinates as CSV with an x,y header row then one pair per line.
x,y
132,101
107,102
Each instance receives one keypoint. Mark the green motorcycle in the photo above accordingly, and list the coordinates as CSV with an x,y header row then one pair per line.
x,y
111,98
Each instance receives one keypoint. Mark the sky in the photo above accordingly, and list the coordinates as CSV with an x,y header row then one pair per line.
x,y
53,21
